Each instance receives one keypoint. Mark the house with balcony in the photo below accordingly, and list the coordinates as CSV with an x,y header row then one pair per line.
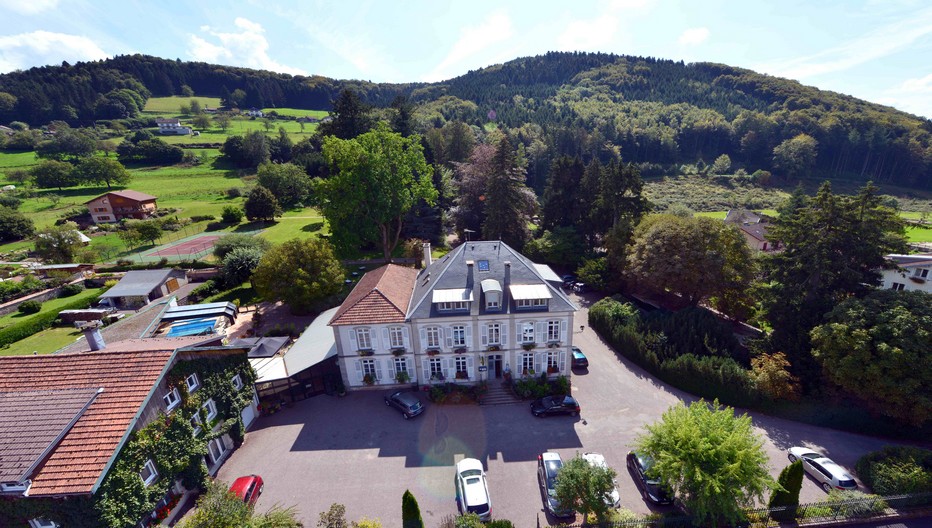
x,y
117,205
908,272
478,312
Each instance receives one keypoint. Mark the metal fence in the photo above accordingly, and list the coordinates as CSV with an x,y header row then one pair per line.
x,y
802,514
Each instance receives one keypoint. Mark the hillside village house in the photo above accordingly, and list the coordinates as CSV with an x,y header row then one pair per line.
x,y
70,421
116,205
172,126
912,273
481,310
753,227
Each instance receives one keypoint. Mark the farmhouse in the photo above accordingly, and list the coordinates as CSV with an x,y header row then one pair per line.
x,y
480,311
138,288
117,205
172,126
753,227
69,419
254,112
912,272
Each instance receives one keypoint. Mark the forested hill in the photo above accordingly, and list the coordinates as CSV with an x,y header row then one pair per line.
x,y
660,114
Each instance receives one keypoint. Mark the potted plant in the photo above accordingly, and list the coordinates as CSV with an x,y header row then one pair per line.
x,y
340,388
528,346
402,377
398,351
368,379
553,370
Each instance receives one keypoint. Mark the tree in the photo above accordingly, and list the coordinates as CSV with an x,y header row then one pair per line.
x,y
509,203
302,273
223,121
772,376
202,121
289,183
59,244
261,204
195,107
403,118
796,155
697,258
471,182
375,180
879,348
228,243
585,488
564,202
67,144
186,91
220,508
231,215
149,230
14,225
410,512
237,97
349,117
102,170
49,174
721,165
787,494
335,517
238,265
710,458
267,124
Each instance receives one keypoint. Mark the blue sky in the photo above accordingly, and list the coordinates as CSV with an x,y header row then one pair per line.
x,y
879,50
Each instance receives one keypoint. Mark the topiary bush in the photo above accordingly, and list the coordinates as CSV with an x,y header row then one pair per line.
x,y
895,470
791,480
410,511
30,307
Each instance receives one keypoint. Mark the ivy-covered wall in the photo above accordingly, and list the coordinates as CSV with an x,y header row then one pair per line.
x,y
168,440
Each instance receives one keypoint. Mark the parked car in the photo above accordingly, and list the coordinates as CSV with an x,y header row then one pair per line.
x,y
829,474
580,287
613,499
472,489
248,488
650,487
406,402
579,359
548,466
568,281
550,405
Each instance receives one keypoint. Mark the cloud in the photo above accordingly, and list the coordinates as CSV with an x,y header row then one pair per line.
x,y
912,95
602,32
496,28
28,7
43,47
247,47
693,36
876,44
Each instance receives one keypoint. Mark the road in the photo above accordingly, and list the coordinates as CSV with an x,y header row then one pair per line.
x,y
357,452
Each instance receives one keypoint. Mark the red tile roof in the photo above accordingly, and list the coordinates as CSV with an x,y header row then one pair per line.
x,y
382,296
77,462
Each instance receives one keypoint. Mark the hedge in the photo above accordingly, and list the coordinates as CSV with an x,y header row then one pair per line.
x,y
896,470
38,323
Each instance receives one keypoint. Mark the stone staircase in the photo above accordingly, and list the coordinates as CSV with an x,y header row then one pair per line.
x,y
499,394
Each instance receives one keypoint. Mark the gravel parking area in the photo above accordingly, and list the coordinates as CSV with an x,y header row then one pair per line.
x,y
357,452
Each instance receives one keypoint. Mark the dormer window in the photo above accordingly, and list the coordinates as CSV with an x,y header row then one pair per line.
x,y
530,296
453,306
237,382
453,300
492,291
530,303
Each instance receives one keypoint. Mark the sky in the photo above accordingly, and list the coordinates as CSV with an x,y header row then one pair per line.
x,y
878,50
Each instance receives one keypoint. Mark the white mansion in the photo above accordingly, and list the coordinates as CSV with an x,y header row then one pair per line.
x,y
481,310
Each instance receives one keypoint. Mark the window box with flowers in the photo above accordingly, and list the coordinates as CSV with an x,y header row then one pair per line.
x,y
553,344
553,370
462,375
398,351
436,377
529,346
368,379
494,348
365,352
459,350
431,351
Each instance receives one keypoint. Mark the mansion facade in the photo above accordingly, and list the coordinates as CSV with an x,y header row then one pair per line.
x,y
473,315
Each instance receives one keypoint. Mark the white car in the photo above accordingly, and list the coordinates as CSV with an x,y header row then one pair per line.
x,y
829,474
613,499
472,489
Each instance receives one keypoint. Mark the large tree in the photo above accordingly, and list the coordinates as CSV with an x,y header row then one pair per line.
x,y
49,174
302,273
220,508
797,155
879,348
97,171
509,203
289,183
711,459
261,204
585,488
470,184
67,144
14,225
59,244
376,178
349,117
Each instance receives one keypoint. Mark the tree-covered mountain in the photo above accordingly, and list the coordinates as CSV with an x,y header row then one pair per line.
x,y
660,114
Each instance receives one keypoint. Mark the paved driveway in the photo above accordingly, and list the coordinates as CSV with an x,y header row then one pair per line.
x,y
357,452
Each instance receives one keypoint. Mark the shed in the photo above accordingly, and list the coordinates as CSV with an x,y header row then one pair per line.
x,y
138,288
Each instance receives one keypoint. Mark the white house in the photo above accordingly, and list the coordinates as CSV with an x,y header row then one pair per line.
x,y
172,126
912,273
481,310
254,112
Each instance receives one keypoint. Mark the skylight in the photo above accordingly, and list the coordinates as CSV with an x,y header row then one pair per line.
x,y
483,265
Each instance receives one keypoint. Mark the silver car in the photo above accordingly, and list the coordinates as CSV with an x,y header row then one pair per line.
x,y
613,499
829,474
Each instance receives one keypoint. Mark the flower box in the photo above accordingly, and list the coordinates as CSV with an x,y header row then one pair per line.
x,y
398,352
553,344
460,350
365,352
494,348
432,352
553,370
529,346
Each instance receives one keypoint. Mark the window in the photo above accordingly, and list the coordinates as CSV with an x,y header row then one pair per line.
x,y
148,473
172,399
451,306
215,450
530,303
196,423
237,382
459,336
106,217
192,382
433,337
363,338
461,372
553,362
897,286
436,369
553,330
401,365
922,273
483,265
491,303
495,334
527,363
527,333
368,368
100,209
211,409
42,523
396,337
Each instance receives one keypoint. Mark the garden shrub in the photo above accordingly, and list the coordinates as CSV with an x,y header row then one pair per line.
x,y
71,289
232,215
851,504
203,218
791,479
30,307
895,470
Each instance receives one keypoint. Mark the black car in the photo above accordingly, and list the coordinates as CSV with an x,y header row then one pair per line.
x,y
568,281
579,359
555,405
405,402
650,488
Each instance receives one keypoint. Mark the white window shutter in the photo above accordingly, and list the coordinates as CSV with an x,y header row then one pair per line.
x,y
352,337
359,370
378,370
563,335
409,363
537,363
519,334
504,335
449,338
469,336
406,339
541,332
426,365
448,366
562,364
386,341
391,368
469,367
484,334
423,338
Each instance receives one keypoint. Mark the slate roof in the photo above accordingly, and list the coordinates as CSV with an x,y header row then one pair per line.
x,y
76,464
381,296
758,231
451,272
260,347
138,283
908,261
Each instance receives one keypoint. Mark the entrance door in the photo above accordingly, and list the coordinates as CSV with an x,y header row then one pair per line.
x,y
495,366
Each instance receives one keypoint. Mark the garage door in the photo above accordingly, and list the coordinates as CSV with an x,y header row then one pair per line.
x,y
248,415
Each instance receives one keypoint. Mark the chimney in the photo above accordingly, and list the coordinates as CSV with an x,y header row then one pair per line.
x,y
95,339
427,259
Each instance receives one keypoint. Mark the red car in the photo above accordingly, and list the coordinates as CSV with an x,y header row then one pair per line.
x,y
248,488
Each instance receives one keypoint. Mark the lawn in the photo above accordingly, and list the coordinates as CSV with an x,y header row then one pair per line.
x,y
49,306
45,342
17,160
172,105
241,125
298,112
300,223
918,234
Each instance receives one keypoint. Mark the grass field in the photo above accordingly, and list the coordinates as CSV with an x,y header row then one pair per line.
x,y
172,105
297,112
48,306
45,342
17,160
918,234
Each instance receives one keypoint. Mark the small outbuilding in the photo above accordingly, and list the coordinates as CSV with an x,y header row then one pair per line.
x,y
138,288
